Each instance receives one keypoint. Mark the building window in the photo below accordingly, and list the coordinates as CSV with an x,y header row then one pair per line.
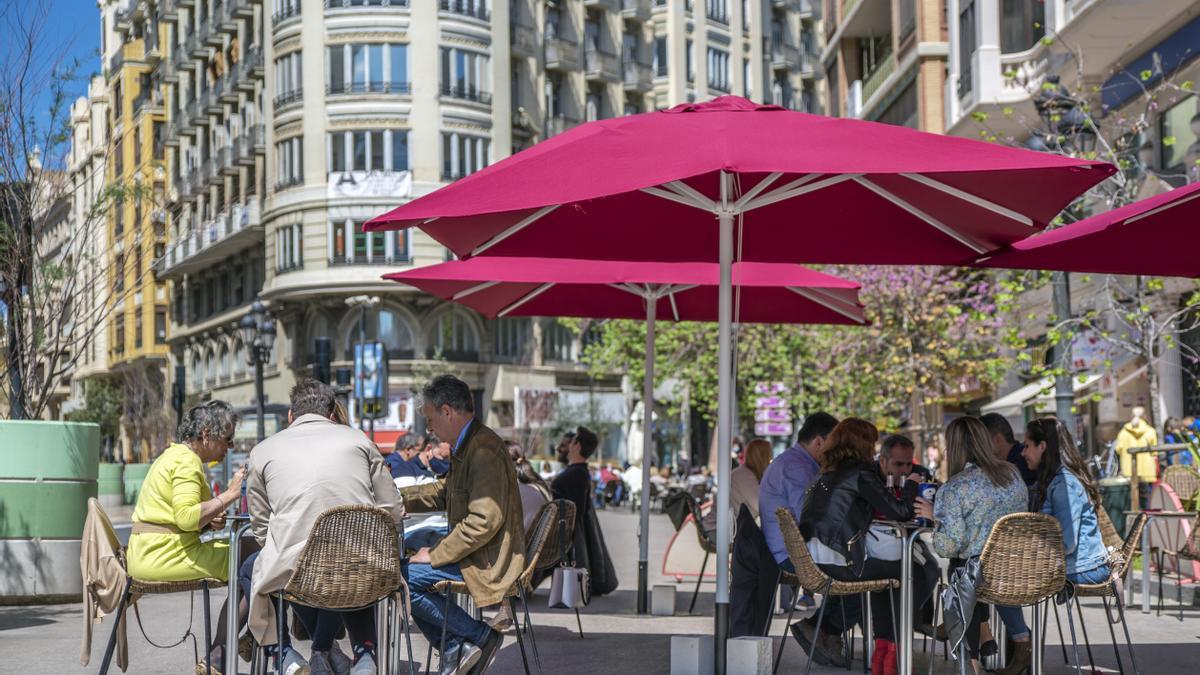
x,y
1022,24
1175,136
288,79
375,67
349,244
290,162
465,75
386,326
966,48
512,339
397,67
557,342
717,10
747,79
908,17
903,111
463,154
119,271
691,61
119,330
453,337
718,69
660,56
288,243
474,8
399,149
377,150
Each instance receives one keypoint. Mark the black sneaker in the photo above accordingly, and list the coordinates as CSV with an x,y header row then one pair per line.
x,y
834,648
460,658
489,649
805,634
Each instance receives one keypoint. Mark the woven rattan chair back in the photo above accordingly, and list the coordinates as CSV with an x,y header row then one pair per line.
x,y
811,578
1191,550
1022,561
706,542
553,550
1133,540
1184,480
537,538
351,560
1108,532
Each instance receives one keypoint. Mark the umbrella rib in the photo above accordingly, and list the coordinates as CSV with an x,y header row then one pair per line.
x,y
804,293
1160,209
524,222
676,197
824,292
937,224
674,307
803,187
524,299
474,289
968,197
683,189
762,185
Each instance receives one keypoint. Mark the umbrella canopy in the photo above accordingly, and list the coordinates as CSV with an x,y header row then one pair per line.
x,y
1108,243
628,188
764,292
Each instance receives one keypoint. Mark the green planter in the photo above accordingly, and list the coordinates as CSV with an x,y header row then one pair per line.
x,y
134,475
48,471
110,489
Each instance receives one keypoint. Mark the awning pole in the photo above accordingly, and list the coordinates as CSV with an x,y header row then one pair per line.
x,y
647,454
724,422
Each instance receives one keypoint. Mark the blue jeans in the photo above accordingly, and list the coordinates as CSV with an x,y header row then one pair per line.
x,y
245,573
1096,575
429,607
1014,621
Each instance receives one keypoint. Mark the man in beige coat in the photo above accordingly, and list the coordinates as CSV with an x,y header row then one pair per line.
x,y
296,475
486,539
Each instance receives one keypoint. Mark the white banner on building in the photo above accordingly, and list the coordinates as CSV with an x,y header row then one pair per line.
x,y
534,408
360,184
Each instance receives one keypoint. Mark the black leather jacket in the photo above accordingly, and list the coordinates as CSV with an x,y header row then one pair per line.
x,y
840,505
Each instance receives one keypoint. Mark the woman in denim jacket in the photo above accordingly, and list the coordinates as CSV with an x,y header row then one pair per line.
x,y
1068,494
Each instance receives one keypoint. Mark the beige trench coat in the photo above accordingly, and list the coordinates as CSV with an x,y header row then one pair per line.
x,y
294,477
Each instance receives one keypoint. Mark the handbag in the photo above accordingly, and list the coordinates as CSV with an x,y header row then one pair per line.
x,y
569,586
883,544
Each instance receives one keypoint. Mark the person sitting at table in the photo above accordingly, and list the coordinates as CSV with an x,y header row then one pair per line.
x,y
981,489
485,544
835,520
896,461
176,504
743,484
296,475
1069,495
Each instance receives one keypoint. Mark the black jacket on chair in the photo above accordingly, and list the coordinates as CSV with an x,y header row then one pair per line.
x,y
840,505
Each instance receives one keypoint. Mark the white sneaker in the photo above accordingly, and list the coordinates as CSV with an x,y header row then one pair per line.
x,y
365,665
294,664
341,663
320,664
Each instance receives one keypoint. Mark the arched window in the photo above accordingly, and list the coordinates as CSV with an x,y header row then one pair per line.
x,y
557,341
226,366
453,336
210,369
385,325
239,359
197,373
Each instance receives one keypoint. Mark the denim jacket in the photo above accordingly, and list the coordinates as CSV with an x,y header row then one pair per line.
x,y
1067,501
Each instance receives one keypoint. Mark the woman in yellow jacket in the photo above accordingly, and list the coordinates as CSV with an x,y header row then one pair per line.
x,y
176,505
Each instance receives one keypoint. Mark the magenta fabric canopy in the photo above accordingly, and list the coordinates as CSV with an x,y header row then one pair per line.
x,y
605,289
807,188
1109,243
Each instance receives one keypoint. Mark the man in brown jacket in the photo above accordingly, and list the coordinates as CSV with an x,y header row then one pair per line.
x,y
485,543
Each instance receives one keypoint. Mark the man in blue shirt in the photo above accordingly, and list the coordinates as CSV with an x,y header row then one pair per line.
x,y
1006,446
784,484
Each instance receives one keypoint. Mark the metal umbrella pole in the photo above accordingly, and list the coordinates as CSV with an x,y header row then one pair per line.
x,y
725,213
647,452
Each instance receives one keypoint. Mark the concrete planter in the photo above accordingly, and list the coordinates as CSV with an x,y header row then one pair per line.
x,y
48,471
133,477
110,490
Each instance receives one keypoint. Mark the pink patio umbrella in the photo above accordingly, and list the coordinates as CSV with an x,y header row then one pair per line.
x,y
764,293
671,185
1117,242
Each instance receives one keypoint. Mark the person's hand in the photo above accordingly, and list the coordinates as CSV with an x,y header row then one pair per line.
x,y
923,507
421,556
916,478
235,482
218,522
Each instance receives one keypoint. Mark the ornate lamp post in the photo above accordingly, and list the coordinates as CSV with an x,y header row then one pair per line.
x,y
258,334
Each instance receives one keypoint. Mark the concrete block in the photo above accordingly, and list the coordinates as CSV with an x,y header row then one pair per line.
x,y
662,600
750,655
691,655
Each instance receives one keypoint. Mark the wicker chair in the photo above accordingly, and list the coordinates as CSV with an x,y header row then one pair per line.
x,y
1023,564
1190,551
1126,549
350,561
536,540
135,588
810,577
556,548
1184,481
706,542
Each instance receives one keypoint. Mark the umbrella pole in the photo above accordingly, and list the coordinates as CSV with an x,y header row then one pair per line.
x,y
647,453
724,422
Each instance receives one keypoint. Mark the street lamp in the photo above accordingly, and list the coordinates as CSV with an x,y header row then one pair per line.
x,y
258,334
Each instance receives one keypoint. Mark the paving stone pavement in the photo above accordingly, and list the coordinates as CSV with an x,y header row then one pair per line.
x,y
45,639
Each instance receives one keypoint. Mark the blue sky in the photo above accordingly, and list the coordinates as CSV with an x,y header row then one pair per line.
x,y
73,27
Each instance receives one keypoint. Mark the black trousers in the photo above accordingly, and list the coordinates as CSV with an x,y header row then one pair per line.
x,y
324,624
924,577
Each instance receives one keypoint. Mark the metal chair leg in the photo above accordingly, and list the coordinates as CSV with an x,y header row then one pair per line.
x,y
771,612
1113,634
280,619
699,579
537,658
816,633
1086,642
406,626
1159,560
445,622
1062,639
521,646
1128,640
117,619
849,642
1074,643
787,625
1039,635
208,631
579,623
1179,587
895,637
865,628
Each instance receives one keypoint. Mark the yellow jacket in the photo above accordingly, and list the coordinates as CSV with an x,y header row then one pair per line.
x,y
1138,434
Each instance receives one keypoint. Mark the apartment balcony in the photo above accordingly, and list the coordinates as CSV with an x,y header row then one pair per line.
x,y
210,32
524,40
227,88
986,87
289,98
168,10
117,60
185,187
243,9
610,5
196,47
225,21
287,14
196,113
559,123
876,78
474,9
225,161
561,54
186,4
249,69
168,69
339,4
602,66
212,100
370,88
466,94
784,56
172,137
635,10
123,20
238,229
637,77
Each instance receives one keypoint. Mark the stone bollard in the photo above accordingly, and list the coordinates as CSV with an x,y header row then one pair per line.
x,y
691,655
750,655
662,600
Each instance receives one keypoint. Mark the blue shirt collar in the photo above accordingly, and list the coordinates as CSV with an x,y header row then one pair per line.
x,y
462,436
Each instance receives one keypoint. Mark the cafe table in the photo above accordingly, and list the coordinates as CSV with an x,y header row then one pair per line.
x,y
908,532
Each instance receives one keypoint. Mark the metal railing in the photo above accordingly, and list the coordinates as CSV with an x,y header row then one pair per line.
x,y
369,88
289,97
467,94
561,54
476,9
600,64
637,75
